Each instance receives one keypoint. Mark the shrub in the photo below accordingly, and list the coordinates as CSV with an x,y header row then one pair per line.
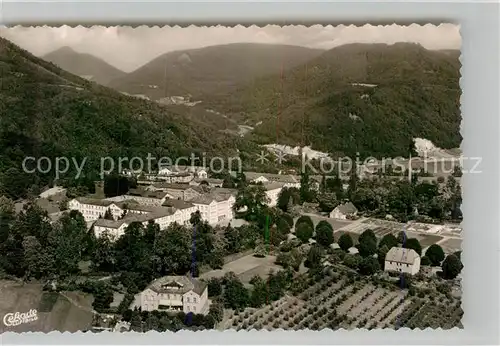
x,y
345,242
435,254
304,231
304,219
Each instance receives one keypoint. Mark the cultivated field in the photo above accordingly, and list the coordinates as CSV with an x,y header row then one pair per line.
x,y
245,268
55,311
338,302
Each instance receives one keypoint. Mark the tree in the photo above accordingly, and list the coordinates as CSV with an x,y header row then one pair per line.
x,y
108,215
282,225
104,258
288,218
451,267
296,259
388,240
435,254
39,262
68,240
314,256
253,198
324,233
425,261
116,185
306,194
214,286
367,247
345,242
216,311
304,232
368,234
132,252
235,294
381,253
327,202
103,297
369,266
172,251
287,197
304,219
414,244
352,261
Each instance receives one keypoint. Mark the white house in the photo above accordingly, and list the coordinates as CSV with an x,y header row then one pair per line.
x,y
176,293
185,209
344,211
402,260
215,208
273,190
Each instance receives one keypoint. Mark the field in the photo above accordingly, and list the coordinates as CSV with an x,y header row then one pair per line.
x,y
451,245
55,311
338,302
245,268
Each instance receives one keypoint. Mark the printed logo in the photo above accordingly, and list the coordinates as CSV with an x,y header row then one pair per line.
x,y
15,319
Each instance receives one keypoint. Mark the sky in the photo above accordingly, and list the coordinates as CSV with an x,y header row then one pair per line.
x,y
129,48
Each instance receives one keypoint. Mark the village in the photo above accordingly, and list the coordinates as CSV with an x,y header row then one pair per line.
x,y
174,195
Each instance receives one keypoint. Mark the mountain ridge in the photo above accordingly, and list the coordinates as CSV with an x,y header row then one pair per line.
x,y
207,70
49,112
334,101
84,65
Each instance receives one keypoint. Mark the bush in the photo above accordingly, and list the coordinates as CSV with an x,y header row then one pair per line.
x,y
345,242
352,261
304,231
425,261
304,219
324,234
435,254
451,267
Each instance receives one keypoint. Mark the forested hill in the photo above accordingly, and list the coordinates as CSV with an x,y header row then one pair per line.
x,y
46,111
84,65
210,70
371,98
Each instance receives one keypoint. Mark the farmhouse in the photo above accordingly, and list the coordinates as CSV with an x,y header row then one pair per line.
x,y
402,260
344,211
176,293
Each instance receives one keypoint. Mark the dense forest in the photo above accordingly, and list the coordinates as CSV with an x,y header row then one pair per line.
x,y
47,112
367,98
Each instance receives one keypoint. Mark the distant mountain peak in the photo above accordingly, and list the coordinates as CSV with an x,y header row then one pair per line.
x,y
84,64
